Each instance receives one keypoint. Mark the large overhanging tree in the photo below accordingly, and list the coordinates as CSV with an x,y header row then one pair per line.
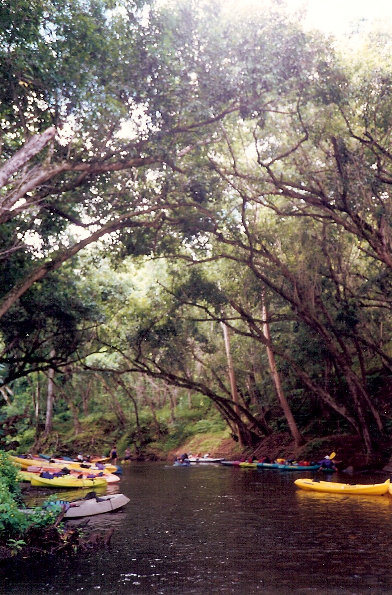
x,y
319,159
103,105
320,162
64,160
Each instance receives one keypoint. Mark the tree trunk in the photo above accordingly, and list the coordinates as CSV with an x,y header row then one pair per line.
x,y
233,384
37,405
129,394
50,399
173,403
256,400
150,403
118,410
86,397
276,378
75,418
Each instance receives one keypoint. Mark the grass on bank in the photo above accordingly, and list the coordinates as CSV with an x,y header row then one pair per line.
x,y
159,433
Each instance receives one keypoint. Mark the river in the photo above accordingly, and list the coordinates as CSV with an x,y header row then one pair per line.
x,y
213,529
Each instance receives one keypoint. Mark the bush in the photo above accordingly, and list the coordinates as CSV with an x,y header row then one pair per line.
x,y
9,475
26,440
13,521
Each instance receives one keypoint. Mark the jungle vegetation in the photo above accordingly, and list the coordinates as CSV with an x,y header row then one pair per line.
x,y
195,221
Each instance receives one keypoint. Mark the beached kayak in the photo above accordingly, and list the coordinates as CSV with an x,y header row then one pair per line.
x,y
332,487
90,505
98,505
108,467
34,470
58,464
25,475
25,462
67,481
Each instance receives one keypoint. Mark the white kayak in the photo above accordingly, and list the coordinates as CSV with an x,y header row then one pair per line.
x,y
98,505
204,460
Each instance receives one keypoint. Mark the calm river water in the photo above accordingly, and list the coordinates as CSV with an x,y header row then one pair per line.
x,y
214,529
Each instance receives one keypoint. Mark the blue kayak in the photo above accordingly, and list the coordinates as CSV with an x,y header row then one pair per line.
x,y
299,467
268,465
328,469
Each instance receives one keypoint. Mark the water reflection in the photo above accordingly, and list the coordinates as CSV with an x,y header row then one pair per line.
x,y
227,530
364,503
35,496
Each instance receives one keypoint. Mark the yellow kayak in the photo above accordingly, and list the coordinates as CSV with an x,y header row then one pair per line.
x,y
24,462
108,467
375,489
66,481
34,471
248,465
58,464
25,475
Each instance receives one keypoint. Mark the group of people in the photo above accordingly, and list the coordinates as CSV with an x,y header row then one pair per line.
x,y
114,455
326,464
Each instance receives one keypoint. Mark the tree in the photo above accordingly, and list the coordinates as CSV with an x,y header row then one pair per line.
x,y
276,377
174,105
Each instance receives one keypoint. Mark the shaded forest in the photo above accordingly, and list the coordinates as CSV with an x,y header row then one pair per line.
x,y
195,226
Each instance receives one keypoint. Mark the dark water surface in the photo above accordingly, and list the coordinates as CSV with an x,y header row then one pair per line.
x,y
214,529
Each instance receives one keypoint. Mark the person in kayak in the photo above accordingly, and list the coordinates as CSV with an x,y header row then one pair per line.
x,y
327,464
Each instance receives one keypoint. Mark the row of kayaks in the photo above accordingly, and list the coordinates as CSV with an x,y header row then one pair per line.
x,y
186,461
281,466
64,474
313,485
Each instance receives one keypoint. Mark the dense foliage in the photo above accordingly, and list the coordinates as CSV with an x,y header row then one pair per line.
x,y
230,180
14,523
